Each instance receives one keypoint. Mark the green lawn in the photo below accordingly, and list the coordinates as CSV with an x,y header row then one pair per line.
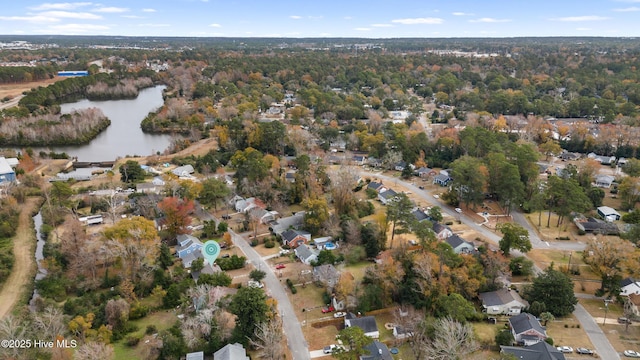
x,y
162,321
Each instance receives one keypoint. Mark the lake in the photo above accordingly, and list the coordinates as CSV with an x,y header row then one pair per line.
x,y
124,136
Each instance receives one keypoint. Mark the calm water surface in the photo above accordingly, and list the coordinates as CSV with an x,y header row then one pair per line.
x,y
124,136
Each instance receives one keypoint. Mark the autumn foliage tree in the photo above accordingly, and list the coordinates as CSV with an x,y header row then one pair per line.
x,y
135,241
176,215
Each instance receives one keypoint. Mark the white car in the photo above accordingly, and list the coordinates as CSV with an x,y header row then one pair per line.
x,y
328,349
631,354
255,284
565,349
339,314
458,210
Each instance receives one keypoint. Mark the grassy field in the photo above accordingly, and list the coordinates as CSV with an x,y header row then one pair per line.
x,y
162,320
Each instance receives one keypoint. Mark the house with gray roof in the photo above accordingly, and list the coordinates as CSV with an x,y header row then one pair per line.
x,y
295,238
376,186
326,274
188,249
283,224
526,329
386,196
366,323
442,179
376,351
460,245
231,352
442,231
419,215
502,302
604,181
185,170
538,351
306,254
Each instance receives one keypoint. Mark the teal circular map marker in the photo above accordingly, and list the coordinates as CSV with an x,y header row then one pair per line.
x,y
210,251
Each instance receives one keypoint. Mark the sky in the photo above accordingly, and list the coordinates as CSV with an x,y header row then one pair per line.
x,y
324,18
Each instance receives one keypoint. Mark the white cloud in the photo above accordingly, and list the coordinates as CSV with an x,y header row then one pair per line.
x,y
71,15
490,20
315,17
35,18
111,9
346,18
583,29
382,25
581,18
413,21
215,25
60,6
133,16
362,29
148,10
460,13
629,9
295,17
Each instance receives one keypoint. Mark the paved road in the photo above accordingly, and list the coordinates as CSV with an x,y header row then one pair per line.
x,y
290,323
597,337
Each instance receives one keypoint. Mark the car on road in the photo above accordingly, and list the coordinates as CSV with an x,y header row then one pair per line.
x,y
584,351
340,314
565,349
436,196
280,266
328,309
458,210
631,354
421,187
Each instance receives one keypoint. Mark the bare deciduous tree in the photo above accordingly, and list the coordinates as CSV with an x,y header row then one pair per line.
x,y
269,338
452,340
49,323
94,351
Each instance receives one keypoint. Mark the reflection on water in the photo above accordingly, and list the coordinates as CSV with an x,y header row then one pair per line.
x,y
124,136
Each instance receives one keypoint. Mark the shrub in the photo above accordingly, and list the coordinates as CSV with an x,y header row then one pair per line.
x,y
132,340
581,232
138,311
549,341
254,242
151,329
269,244
231,263
291,286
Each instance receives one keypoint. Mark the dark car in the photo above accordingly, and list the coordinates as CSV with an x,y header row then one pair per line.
x,y
624,320
584,351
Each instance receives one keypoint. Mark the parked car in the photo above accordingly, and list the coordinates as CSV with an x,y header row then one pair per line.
x,y
280,266
631,354
421,187
624,320
340,314
436,196
328,349
328,309
458,210
565,349
584,351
